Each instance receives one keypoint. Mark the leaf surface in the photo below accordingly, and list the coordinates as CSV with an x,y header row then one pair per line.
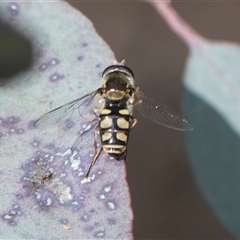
x,y
43,194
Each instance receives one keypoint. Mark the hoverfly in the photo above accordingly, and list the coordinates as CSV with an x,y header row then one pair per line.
x,y
115,120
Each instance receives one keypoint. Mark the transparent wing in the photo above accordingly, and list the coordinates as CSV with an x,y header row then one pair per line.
x,y
67,113
86,135
161,114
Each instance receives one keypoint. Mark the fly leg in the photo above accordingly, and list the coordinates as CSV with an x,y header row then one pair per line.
x,y
97,153
134,122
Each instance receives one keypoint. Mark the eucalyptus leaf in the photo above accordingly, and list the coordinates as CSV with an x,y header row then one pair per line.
x,y
43,192
211,101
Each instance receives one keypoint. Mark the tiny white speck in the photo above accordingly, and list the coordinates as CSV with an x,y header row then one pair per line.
x,y
38,195
13,212
91,154
84,126
85,216
12,130
62,175
102,196
46,156
53,62
63,154
107,189
7,216
13,7
80,173
16,206
49,201
99,172
100,234
54,77
75,164
111,205
44,66
75,203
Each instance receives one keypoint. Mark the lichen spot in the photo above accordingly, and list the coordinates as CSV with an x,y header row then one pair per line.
x,y
124,111
106,123
123,123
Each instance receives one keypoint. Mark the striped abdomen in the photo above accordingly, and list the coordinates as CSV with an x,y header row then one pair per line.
x,y
115,125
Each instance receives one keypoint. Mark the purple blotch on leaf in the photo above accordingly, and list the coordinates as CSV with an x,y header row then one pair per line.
x,y
112,221
43,67
84,44
63,221
11,215
55,77
39,53
85,218
89,228
35,143
80,58
20,131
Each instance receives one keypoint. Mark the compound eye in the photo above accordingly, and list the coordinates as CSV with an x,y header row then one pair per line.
x,y
119,68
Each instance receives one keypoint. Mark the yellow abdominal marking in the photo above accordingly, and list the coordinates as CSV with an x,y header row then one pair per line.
x,y
106,111
106,123
122,123
124,111
114,149
122,136
106,136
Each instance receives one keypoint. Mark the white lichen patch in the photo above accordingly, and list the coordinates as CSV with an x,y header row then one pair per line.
x,y
75,162
60,190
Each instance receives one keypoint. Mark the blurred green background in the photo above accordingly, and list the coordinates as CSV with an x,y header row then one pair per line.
x,y
166,201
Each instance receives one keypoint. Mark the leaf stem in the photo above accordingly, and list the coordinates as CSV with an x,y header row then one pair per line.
x,y
177,24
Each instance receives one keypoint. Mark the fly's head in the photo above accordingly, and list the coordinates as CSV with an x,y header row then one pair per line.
x,y
118,83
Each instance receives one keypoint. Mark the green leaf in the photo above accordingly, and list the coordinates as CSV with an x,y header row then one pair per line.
x,y
212,78
211,102
43,194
